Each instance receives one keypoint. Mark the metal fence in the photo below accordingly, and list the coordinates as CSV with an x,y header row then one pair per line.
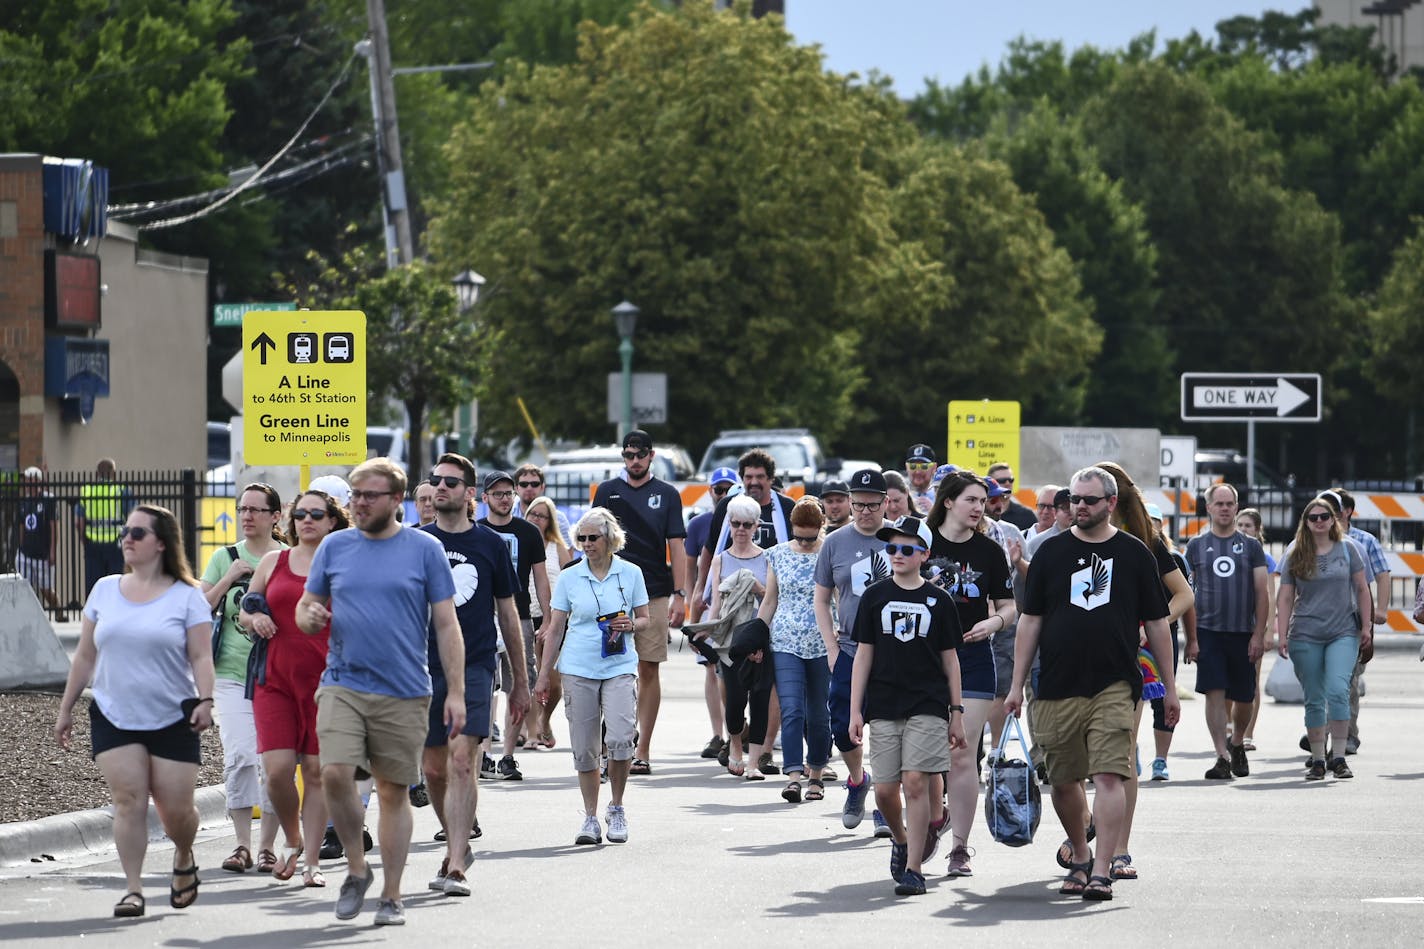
x,y
179,491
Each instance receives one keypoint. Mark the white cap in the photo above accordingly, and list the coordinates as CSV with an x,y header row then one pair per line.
x,y
334,485
33,472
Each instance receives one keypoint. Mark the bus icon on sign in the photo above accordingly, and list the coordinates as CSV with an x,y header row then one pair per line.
x,y
300,347
338,347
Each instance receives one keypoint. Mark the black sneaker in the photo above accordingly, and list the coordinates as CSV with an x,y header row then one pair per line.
x,y
487,769
1316,772
1221,771
331,848
714,746
419,796
366,842
1340,769
766,764
725,755
1239,765
1305,743
509,770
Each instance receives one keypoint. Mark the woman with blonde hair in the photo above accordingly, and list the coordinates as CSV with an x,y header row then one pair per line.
x,y
543,514
1322,622
146,641
602,601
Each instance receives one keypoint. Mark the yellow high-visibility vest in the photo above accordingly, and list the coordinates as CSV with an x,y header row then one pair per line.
x,y
103,511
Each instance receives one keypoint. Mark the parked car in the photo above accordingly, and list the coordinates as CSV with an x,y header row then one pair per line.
x,y
797,453
219,444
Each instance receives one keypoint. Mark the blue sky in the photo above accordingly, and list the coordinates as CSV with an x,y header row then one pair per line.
x,y
912,40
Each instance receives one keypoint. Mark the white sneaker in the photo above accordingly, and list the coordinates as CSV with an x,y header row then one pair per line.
x,y
591,832
617,824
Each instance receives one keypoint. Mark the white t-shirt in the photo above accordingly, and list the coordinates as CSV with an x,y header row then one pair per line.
x,y
142,673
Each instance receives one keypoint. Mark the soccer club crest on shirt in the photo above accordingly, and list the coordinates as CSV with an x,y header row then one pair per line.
x,y
655,501
905,621
1091,587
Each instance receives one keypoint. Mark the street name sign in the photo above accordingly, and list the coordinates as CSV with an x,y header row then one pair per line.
x,y
304,387
230,314
1250,397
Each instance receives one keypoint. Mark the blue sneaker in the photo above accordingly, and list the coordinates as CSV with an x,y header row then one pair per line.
x,y
854,810
1159,770
899,856
911,884
882,829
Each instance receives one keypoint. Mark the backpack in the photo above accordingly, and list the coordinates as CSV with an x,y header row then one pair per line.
x,y
1012,801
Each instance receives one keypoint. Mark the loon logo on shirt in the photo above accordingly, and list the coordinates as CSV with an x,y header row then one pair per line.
x,y
905,621
1091,587
872,569
655,501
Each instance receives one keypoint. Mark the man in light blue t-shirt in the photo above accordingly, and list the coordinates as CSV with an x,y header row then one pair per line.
x,y
375,584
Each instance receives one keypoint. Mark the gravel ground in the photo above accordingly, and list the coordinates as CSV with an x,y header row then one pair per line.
x,y
41,779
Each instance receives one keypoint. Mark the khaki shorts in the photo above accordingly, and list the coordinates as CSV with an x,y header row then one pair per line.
x,y
918,743
652,642
1081,737
382,734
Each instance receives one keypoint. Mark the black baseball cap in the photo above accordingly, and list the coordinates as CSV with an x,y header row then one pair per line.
x,y
922,453
869,480
495,477
835,487
1061,498
638,438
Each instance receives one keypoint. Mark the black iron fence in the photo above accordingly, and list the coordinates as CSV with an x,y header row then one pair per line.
x,y
33,512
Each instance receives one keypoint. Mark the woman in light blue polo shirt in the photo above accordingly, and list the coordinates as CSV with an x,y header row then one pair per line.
x,y
601,601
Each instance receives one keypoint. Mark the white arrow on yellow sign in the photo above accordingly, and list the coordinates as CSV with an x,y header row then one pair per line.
x,y
304,387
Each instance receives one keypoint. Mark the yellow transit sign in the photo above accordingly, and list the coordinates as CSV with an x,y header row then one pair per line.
x,y
304,387
982,433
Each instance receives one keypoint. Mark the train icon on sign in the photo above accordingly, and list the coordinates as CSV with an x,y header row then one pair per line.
x,y
300,347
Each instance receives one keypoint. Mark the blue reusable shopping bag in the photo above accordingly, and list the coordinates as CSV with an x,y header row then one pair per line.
x,y
1012,803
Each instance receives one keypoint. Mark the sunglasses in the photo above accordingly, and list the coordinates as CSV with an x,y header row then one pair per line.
x,y
450,481
721,490
255,510
918,465
530,484
1317,518
588,538
1005,482
301,514
137,533
807,541
904,550
1089,499
357,495
744,525
640,455
866,505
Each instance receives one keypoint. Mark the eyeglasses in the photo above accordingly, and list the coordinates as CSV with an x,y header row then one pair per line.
x,y
1043,507
499,495
640,455
1089,499
137,533
450,481
358,495
918,465
744,525
904,550
1317,517
588,538
530,484
536,513
1005,482
806,541
866,505
301,514
255,510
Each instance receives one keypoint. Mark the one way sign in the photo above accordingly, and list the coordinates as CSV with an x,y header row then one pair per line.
x,y
1250,397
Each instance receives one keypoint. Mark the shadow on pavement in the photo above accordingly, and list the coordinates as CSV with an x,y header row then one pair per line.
x,y
1023,902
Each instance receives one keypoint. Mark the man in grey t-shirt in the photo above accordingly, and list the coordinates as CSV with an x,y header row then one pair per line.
x,y
1229,576
850,560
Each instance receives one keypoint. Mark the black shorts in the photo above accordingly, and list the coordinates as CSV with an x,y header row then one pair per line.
x,y
176,742
1224,663
479,693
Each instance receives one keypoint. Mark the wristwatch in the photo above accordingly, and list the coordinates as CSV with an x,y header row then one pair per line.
x,y
679,593
957,708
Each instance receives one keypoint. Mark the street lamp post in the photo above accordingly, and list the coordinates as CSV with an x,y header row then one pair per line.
x,y
467,293
625,318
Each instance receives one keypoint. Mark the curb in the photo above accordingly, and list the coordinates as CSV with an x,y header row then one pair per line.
x,y
89,832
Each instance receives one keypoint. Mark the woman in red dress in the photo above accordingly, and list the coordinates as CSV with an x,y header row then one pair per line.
x,y
284,702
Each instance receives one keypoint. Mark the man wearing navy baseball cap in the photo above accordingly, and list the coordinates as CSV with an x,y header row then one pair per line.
x,y
920,471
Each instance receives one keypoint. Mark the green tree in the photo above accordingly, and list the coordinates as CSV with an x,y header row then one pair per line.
x,y
701,165
1106,235
1396,336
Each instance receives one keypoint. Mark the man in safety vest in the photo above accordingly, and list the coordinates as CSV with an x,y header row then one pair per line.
x,y
99,516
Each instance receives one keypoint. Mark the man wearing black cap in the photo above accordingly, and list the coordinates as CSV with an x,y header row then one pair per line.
x,y
650,511
920,471
526,552
835,501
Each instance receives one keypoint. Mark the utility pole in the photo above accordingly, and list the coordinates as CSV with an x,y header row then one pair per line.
x,y
383,100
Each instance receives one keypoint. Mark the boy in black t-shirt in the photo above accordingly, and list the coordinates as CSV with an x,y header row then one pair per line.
x,y
906,680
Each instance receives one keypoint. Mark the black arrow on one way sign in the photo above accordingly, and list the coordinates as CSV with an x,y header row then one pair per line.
x,y
263,343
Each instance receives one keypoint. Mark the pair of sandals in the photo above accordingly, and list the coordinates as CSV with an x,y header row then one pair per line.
x,y
1090,887
815,790
133,904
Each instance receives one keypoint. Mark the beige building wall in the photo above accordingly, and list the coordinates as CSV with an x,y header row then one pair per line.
x,y
1408,34
155,318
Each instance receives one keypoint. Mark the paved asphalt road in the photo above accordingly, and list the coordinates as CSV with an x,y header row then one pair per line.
x,y
713,860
